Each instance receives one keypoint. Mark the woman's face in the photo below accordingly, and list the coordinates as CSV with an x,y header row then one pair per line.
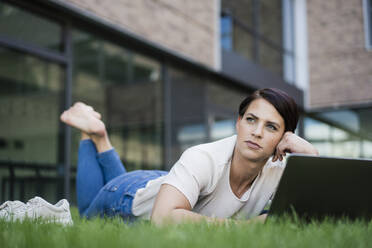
x,y
259,131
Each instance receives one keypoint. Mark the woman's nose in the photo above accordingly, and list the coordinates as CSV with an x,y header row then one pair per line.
x,y
257,131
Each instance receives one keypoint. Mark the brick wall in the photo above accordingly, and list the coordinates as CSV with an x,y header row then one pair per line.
x,y
187,27
340,68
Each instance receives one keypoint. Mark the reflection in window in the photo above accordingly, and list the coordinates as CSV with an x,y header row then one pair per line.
x,y
345,118
126,89
23,26
270,20
240,9
187,111
367,7
226,32
223,103
30,98
222,128
243,43
270,58
332,140
261,31
367,148
30,103
191,135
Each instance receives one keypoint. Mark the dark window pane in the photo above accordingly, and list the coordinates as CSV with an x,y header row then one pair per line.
x,y
226,32
30,91
187,111
270,20
30,100
369,3
29,28
222,104
270,58
126,88
239,9
243,42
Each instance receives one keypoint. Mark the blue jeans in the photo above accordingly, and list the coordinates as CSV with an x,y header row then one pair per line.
x,y
103,186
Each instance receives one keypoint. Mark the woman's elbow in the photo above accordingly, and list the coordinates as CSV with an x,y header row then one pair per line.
x,y
159,217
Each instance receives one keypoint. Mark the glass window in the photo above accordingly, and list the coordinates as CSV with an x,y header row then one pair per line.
x,y
288,41
225,97
367,6
243,42
222,128
26,27
201,110
126,88
261,31
239,9
270,20
226,32
344,133
270,58
30,104
187,111
222,109
236,15
30,101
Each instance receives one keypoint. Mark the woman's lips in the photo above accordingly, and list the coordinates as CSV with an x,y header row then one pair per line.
x,y
253,145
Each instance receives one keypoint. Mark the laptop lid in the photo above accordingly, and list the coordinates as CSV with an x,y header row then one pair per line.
x,y
316,187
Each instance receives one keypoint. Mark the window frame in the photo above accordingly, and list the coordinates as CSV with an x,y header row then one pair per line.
x,y
286,48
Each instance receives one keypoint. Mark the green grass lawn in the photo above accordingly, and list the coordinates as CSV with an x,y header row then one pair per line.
x,y
114,233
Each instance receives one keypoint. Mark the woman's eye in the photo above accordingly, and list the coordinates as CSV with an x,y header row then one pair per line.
x,y
250,119
272,127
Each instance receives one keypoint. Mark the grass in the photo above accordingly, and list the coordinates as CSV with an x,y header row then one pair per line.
x,y
115,233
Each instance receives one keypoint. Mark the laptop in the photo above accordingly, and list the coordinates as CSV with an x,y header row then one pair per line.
x,y
318,187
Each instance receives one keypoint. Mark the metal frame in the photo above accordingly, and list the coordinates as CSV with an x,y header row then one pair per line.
x,y
41,53
167,156
67,104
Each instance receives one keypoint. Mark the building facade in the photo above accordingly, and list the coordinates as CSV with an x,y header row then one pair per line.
x,y
167,75
340,77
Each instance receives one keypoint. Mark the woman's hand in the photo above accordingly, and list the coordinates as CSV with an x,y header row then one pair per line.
x,y
292,143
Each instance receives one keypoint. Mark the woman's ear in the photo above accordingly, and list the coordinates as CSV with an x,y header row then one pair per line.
x,y
237,123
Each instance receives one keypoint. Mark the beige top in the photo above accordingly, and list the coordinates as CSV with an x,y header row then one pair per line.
x,y
202,175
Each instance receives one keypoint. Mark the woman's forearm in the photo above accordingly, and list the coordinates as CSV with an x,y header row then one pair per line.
x,y
182,215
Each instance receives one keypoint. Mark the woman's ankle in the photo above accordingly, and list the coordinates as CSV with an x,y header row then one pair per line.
x,y
84,136
102,142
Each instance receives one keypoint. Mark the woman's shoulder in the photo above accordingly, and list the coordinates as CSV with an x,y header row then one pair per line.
x,y
219,151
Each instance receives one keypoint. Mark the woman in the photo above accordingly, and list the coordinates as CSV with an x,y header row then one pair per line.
x,y
235,176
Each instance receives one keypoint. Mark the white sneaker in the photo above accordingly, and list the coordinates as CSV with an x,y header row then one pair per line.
x,y
11,210
37,207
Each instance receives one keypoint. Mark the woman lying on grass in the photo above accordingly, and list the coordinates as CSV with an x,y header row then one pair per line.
x,y
231,177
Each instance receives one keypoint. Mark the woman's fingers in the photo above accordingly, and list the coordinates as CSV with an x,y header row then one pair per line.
x,y
281,150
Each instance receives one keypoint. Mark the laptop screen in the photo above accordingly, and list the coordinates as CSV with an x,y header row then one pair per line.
x,y
318,187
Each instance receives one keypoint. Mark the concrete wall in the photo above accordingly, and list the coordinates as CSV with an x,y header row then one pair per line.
x,y
187,27
340,68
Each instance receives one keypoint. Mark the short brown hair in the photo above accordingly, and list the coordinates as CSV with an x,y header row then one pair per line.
x,y
281,101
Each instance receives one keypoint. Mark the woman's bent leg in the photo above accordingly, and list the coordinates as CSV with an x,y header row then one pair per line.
x,y
111,165
89,179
